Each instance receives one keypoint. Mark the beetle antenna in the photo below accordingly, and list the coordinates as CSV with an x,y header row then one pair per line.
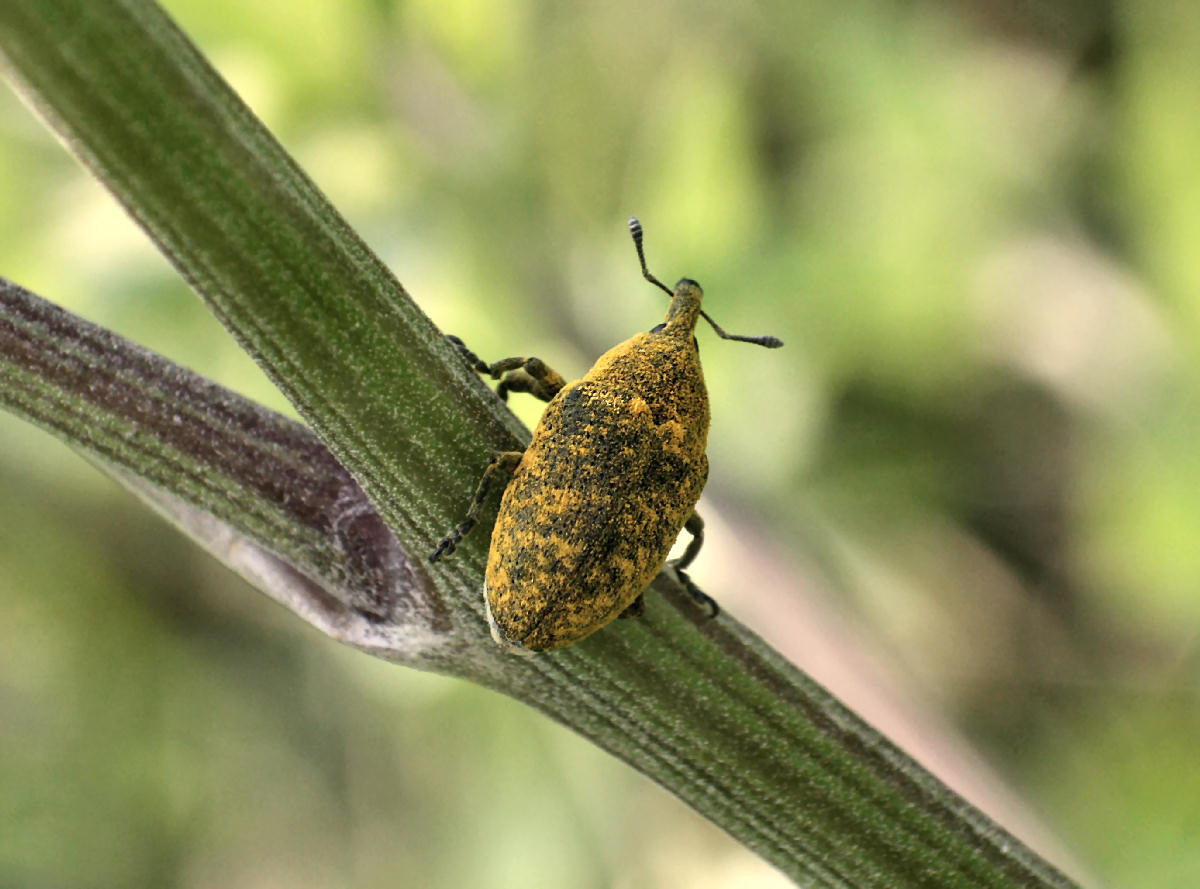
x,y
635,229
770,342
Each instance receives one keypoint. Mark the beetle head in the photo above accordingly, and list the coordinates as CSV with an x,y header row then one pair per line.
x,y
685,302
685,308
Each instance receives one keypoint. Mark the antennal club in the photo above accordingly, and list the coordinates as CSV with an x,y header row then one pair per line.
x,y
635,229
769,342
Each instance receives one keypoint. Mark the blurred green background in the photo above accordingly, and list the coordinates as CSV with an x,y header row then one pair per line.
x,y
965,495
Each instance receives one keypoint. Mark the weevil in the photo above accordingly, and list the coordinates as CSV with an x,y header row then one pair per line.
x,y
612,475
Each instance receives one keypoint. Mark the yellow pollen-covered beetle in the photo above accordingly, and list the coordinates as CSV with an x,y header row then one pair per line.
x,y
612,475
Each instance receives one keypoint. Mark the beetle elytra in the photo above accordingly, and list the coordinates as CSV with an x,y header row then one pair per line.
x,y
612,475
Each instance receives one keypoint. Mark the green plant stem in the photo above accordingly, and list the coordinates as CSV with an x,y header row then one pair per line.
x,y
228,457
703,707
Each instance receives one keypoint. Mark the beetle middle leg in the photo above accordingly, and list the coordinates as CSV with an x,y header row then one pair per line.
x,y
695,527
515,374
506,462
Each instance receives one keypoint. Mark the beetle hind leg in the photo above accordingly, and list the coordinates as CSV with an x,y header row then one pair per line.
x,y
695,527
506,462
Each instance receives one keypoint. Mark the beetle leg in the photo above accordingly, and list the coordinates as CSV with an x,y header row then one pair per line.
x,y
508,461
515,374
695,527
534,377
635,608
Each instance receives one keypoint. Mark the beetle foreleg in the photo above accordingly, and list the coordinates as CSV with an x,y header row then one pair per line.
x,y
508,461
515,374
533,376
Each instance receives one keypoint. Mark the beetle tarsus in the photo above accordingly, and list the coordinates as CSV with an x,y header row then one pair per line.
x,y
698,595
450,543
477,364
